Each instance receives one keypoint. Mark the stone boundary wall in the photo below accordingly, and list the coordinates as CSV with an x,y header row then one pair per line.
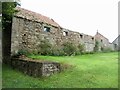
x,y
35,68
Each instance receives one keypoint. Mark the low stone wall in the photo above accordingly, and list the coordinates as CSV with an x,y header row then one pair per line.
x,y
35,68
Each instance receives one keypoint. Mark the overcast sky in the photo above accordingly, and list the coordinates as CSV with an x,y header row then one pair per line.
x,y
84,16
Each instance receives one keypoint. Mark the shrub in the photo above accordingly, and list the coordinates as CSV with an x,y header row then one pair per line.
x,y
69,49
106,49
91,52
20,53
57,52
45,48
34,52
81,48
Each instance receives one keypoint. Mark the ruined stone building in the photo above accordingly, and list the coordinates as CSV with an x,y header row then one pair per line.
x,y
102,41
29,28
79,38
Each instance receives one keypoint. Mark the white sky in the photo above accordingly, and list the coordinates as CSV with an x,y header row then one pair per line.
x,y
84,16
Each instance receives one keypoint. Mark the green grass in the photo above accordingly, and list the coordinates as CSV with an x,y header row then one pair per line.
x,y
89,71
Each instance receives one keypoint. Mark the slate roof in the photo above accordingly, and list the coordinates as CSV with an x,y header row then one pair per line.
x,y
30,15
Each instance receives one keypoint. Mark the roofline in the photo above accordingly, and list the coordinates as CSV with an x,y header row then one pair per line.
x,y
116,38
101,35
57,25
38,21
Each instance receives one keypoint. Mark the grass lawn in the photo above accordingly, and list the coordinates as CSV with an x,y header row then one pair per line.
x,y
98,70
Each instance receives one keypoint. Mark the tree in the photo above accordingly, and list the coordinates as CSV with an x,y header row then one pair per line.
x,y
7,14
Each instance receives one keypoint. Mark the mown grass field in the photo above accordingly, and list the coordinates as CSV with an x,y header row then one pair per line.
x,y
98,70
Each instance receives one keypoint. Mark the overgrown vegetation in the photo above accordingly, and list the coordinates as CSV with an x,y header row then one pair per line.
x,y
102,48
106,49
81,48
96,48
45,48
67,49
20,53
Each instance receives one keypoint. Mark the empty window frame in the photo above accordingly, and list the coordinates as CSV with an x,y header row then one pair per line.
x,y
92,38
101,40
81,36
65,33
46,29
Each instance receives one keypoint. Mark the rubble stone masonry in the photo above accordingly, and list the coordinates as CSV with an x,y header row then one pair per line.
x,y
29,28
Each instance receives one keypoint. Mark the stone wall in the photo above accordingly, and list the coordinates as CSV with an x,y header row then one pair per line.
x,y
89,42
28,34
79,38
35,68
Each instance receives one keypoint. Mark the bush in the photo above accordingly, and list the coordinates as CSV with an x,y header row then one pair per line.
x,y
92,52
45,48
106,49
69,49
20,53
23,52
81,48
34,52
57,52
